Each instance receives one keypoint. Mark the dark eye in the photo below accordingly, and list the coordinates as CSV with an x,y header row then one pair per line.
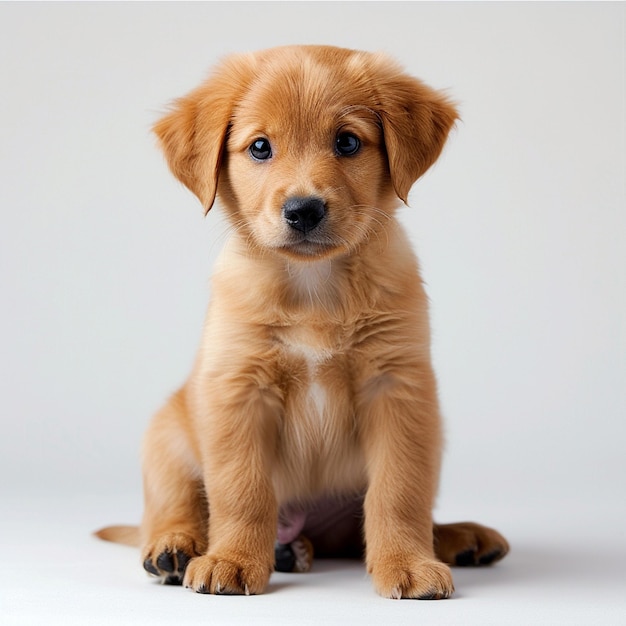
x,y
261,150
347,144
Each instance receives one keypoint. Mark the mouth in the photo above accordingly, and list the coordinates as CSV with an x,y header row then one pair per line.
x,y
308,247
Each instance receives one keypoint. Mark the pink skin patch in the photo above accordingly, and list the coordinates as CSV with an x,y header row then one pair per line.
x,y
290,524
334,519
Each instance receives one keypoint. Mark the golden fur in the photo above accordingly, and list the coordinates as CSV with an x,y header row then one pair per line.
x,y
313,375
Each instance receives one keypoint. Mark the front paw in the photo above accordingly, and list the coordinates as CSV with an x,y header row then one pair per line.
x,y
227,574
401,577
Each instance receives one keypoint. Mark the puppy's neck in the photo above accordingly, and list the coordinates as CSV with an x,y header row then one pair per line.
x,y
270,289
311,281
277,279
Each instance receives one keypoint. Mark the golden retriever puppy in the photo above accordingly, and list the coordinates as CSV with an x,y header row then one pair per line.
x,y
312,409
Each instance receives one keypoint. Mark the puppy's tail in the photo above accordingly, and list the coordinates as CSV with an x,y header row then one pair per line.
x,y
128,535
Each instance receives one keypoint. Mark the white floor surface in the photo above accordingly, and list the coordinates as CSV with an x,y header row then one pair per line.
x,y
566,567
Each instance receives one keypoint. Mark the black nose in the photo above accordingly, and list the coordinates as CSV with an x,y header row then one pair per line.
x,y
304,214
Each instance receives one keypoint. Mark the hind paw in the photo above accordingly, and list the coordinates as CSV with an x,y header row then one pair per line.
x,y
467,543
296,556
167,557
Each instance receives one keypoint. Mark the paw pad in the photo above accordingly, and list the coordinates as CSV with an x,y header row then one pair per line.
x,y
284,557
169,566
470,557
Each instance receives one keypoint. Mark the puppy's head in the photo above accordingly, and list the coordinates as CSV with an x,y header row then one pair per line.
x,y
309,146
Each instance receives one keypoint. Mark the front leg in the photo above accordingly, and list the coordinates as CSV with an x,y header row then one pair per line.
x,y
239,444
402,443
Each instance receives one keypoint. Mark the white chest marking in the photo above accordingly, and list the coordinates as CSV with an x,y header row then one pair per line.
x,y
316,397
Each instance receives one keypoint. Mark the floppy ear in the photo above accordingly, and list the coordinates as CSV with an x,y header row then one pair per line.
x,y
193,133
416,121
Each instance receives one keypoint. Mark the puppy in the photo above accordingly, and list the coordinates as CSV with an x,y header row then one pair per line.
x,y
312,405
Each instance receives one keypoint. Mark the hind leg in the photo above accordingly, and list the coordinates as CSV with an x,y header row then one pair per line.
x,y
467,543
173,530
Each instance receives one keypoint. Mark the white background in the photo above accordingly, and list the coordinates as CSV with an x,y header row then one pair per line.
x,y
104,266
